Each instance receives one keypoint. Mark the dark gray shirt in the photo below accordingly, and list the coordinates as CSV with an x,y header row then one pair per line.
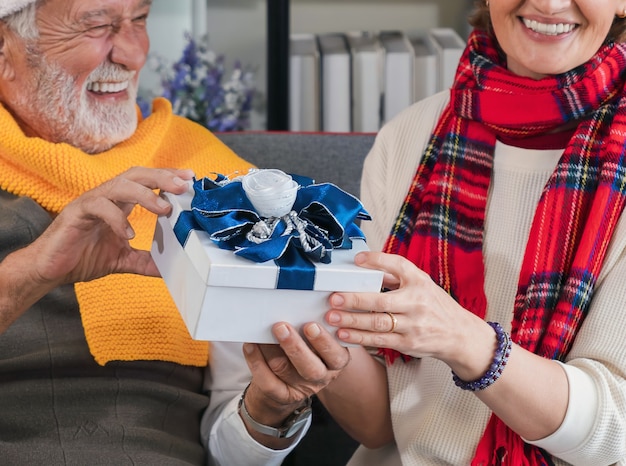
x,y
59,407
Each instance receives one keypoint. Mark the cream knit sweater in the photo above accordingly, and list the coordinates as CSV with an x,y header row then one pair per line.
x,y
435,423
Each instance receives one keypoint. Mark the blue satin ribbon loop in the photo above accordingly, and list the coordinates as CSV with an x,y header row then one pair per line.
x,y
185,223
322,219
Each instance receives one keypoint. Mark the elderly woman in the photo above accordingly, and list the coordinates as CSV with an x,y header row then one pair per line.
x,y
501,330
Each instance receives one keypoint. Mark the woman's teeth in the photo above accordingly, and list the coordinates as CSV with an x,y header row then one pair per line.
x,y
548,29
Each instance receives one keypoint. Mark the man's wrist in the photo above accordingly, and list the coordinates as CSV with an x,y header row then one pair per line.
x,y
290,426
18,290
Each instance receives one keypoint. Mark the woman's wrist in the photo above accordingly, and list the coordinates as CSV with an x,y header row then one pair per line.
x,y
471,352
496,367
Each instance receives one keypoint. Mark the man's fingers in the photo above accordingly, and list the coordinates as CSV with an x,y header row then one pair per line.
x,y
334,356
139,262
167,179
113,201
314,360
137,186
263,376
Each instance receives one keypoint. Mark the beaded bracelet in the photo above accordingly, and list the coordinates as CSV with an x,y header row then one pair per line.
x,y
500,358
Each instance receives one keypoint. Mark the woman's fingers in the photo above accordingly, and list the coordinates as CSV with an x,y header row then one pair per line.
x,y
403,318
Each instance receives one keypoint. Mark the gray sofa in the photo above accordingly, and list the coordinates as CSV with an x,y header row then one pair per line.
x,y
325,157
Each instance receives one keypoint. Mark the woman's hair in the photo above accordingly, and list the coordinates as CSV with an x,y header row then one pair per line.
x,y
480,19
24,22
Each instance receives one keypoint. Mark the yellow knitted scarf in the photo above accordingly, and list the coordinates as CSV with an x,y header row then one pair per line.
x,y
126,317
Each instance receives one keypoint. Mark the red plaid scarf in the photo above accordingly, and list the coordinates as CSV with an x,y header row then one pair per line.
x,y
440,226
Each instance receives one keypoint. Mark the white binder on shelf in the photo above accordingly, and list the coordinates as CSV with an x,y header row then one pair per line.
x,y
304,83
450,47
336,83
367,80
398,74
425,71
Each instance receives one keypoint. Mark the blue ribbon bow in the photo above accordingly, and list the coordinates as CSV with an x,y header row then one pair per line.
x,y
322,219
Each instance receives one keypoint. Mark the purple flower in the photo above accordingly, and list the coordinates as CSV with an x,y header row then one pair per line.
x,y
200,88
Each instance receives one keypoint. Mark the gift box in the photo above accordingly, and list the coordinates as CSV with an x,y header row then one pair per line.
x,y
225,297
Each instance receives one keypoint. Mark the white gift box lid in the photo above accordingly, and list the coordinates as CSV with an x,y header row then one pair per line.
x,y
221,267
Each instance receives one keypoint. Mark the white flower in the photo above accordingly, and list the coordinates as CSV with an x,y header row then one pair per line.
x,y
271,192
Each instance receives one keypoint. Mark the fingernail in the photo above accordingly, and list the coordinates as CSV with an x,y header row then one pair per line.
x,y
359,258
281,332
333,317
130,233
343,334
248,348
179,181
337,300
313,331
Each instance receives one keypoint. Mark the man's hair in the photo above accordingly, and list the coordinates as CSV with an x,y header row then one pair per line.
x,y
480,19
24,22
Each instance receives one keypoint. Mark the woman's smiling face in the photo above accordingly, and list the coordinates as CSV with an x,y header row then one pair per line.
x,y
543,37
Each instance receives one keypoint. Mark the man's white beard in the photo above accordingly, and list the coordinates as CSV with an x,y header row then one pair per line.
x,y
90,125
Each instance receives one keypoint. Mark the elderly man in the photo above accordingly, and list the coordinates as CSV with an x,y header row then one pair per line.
x,y
96,365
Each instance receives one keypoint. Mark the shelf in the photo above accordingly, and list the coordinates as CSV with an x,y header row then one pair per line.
x,y
278,65
278,32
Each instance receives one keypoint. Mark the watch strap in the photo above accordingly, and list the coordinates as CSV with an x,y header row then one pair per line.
x,y
294,422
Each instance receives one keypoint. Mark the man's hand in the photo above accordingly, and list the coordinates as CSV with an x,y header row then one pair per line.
x,y
88,239
285,375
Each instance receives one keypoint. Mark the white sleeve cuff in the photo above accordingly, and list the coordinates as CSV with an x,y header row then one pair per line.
x,y
579,418
232,443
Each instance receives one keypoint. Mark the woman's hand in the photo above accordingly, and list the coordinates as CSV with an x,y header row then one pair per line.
x,y
416,317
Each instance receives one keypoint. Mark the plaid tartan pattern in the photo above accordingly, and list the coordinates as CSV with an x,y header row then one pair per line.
x,y
440,225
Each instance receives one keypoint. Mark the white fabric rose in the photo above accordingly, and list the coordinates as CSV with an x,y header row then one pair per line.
x,y
272,192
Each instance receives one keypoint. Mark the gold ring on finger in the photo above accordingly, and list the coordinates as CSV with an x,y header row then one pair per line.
x,y
394,322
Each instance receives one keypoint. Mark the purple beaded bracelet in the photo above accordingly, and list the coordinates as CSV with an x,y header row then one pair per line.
x,y
500,358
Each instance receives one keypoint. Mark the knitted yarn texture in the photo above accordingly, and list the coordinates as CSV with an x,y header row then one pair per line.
x,y
8,7
125,316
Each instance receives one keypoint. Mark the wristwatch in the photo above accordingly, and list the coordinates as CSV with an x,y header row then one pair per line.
x,y
290,427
